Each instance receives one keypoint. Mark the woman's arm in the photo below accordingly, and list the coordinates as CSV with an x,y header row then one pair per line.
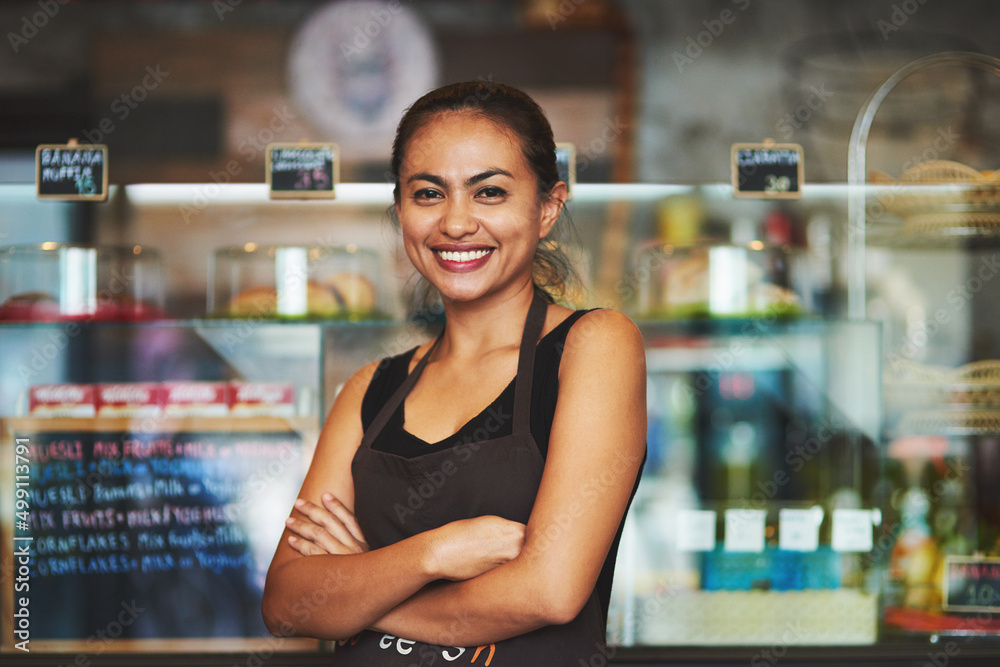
x,y
333,596
596,447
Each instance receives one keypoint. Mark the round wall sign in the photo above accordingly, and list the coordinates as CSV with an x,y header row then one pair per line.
x,y
354,67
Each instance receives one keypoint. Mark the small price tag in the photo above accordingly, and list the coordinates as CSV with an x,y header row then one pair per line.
x,y
852,530
566,165
302,171
798,529
71,171
767,170
695,530
971,584
745,530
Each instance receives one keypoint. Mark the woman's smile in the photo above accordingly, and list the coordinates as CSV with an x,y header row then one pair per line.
x,y
462,259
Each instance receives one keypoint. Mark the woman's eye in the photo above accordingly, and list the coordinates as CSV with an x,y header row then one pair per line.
x,y
426,193
491,192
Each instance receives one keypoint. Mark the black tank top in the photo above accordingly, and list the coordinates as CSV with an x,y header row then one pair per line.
x,y
404,486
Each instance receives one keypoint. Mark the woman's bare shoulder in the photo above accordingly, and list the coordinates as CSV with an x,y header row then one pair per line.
x,y
604,335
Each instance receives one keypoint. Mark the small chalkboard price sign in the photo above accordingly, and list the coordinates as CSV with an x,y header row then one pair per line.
x,y
302,170
566,165
972,584
767,170
71,171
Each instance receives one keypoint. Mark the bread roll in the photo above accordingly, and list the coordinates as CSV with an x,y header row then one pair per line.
x,y
355,291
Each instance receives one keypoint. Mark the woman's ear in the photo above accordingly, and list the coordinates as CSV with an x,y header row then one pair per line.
x,y
552,206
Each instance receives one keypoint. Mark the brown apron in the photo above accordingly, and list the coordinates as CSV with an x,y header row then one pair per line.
x,y
397,497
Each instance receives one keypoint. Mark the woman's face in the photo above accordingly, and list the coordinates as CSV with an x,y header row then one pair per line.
x,y
469,208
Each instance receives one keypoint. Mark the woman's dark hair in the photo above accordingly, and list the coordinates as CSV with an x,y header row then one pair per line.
x,y
514,112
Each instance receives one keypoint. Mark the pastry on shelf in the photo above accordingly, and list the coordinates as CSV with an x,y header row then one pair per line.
x,y
262,301
354,291
938,198
30,307
718,281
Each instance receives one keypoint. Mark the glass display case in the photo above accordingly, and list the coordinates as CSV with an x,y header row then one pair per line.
x,y
761,520
932,229
754,521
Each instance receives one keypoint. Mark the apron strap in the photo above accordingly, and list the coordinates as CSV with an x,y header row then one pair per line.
x,y
390,406
533,326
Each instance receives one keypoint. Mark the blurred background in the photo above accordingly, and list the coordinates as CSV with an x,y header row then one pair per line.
x,y
653,94
649,91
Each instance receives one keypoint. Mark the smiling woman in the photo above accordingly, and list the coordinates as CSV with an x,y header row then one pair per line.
x,y
469,494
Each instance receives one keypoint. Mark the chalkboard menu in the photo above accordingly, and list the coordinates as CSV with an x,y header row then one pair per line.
x,y
165,532
767,170
302,171
972,584
74,172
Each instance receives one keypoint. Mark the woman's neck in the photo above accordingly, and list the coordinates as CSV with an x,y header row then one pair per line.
x,y
479,327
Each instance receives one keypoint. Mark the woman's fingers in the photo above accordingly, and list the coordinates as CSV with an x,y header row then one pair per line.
x,y
305,547
325,528
307,530
346,517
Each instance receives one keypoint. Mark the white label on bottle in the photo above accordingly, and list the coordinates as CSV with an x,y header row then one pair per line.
x,y
745,530
695,530
852,530
798,529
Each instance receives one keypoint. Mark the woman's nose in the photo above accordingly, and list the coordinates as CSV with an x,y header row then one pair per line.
x,y
457,219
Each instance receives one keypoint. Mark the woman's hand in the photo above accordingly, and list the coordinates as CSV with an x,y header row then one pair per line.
x,y
330,529
467,548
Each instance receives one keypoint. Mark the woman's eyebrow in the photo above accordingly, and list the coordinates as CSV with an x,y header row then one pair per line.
x,y
430,178
496,171
469,182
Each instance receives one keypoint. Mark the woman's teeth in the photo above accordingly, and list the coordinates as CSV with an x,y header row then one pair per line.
x,y
463,256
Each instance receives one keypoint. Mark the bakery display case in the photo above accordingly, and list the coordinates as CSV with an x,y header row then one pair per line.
x,y
932,230
770,509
